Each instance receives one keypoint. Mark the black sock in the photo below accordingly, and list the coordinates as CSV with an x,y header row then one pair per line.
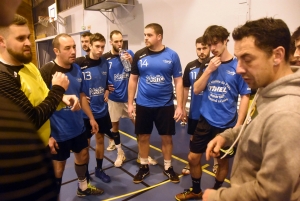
x,y
196,185
99,163
87,173
58,184
80,171
218,184
116,136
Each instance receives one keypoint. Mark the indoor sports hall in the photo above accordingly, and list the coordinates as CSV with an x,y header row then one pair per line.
x,y
167,48
155,187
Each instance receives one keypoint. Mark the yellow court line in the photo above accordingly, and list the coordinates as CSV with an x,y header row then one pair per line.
x,y
157,149
148,188
175,157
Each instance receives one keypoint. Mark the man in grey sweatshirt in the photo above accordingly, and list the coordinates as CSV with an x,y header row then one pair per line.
x,y
267,163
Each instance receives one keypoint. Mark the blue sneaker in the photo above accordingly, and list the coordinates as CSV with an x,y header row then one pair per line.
x,y
101,175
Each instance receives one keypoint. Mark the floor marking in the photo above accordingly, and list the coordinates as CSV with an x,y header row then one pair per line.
x,y
175,157
148,188
153,147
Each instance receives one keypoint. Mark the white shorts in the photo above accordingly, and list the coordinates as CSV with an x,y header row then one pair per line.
x,y
117,110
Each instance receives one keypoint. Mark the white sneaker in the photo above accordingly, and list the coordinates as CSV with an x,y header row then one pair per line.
x,y
111,146
151,161
120,158
186,170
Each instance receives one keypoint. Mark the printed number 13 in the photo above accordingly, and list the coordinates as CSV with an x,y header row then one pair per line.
x,y
87,75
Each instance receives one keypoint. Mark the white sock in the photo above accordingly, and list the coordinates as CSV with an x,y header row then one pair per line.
x,y
167,164
82,184
144,161
119,147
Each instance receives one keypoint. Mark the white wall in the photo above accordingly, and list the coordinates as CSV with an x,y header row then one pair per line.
x,y
76,18
185,20
182,20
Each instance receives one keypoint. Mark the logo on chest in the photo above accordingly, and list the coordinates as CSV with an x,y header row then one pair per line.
x,y
151,79
167,61
121,76
96,91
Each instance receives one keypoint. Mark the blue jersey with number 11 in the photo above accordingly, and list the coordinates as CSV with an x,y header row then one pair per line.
x,y
189,77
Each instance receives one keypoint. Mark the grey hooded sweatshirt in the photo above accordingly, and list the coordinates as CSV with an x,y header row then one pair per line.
x,y
267,161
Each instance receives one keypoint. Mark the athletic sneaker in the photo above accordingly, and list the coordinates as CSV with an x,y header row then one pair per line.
x,y
111,146
120,158
172,175
186,170
142,173
91,190
188,195
101,175
151,161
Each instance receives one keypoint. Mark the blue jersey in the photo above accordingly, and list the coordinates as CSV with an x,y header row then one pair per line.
x,y
220,96
95,74
189,77
66,124
155,70
117,77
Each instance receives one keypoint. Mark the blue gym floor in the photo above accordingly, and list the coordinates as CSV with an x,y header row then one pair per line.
x,y
155,187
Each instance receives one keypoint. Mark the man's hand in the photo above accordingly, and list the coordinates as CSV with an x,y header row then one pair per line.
x,y
214,146
94,125
214,64
111,88
72,100
106,95
128,57
206,194
178,114
131,112
53,145
60,79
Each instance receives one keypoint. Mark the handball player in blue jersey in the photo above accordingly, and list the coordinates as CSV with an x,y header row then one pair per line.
x,y
118,97
85,41
94,69
221,86
67,127
189,77
153,68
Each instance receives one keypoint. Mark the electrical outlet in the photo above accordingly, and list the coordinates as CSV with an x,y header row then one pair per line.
x,y
89,27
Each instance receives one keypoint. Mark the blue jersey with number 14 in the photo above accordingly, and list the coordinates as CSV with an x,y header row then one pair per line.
x,y
155,70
